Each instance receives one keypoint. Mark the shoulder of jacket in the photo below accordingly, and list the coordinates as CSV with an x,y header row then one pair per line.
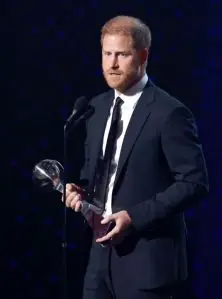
x,y
167,101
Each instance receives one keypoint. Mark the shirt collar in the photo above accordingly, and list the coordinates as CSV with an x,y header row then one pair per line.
x,y
135,89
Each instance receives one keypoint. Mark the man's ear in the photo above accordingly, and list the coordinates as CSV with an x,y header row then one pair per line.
x,y
143,54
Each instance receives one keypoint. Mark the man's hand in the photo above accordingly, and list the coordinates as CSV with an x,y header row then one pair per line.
x,y
122,221
73,197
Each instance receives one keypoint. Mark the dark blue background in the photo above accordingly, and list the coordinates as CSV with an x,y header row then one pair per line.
x,y
51,55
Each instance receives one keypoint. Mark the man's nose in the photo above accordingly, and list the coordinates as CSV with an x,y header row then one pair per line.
x,y
114,62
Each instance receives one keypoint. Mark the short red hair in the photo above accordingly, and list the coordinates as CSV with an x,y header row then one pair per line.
x,y
126,25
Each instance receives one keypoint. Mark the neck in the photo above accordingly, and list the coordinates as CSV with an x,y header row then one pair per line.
x,y
137,86
134,82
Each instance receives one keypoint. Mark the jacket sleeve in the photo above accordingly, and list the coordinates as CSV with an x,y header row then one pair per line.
x,y
183,151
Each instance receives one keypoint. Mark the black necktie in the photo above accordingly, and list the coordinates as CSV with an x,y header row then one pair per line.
x,y
104,164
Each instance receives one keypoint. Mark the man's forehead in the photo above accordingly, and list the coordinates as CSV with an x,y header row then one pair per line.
x,y
117,40
118,37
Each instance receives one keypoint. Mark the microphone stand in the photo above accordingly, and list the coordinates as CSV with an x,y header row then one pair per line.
x,y
64,235
68,125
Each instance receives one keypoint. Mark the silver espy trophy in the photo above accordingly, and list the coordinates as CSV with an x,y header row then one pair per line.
x,y
50,175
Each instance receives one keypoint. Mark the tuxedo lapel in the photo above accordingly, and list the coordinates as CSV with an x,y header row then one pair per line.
x,y
97,127
140,115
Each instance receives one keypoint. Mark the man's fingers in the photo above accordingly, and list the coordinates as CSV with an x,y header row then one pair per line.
x,y
78,206
69,187
72,200
108,236
73,197
107,219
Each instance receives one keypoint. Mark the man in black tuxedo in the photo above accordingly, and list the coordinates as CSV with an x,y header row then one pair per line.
x,y
153,157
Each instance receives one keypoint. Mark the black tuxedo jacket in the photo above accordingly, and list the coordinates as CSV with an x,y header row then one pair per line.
x,y
161,171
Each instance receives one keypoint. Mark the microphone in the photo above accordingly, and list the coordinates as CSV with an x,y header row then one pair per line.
x,y
90,110
78,109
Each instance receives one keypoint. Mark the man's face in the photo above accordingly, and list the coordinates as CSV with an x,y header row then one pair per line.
x,y
121,63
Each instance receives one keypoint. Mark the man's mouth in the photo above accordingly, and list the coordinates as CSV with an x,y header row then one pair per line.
x,y
115,74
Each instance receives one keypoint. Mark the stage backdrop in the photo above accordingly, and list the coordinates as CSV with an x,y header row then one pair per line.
x,y
51,55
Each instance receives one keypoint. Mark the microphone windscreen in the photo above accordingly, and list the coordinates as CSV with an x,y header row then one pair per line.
x,y
80,104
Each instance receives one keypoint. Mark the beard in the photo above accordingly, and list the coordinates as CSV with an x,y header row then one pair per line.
x,y
121,81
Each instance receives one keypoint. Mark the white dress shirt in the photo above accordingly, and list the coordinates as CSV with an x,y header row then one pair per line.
x,y
130,99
